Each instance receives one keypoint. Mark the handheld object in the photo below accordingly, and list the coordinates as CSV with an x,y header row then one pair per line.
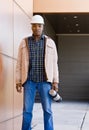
x,y
55,96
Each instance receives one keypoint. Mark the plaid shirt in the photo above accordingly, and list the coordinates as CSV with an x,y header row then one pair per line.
x,y
37,69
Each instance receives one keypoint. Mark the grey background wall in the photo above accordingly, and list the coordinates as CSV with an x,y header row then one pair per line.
x,y
73,54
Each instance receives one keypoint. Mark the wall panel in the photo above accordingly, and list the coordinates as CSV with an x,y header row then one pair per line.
x,y
26,5
22,27
7,125
6,91
6,29
14,25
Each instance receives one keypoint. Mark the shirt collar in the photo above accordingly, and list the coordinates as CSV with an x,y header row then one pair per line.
x,y
42,37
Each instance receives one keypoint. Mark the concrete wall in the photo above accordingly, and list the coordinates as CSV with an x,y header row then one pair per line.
x,y
61,6
14,25
48,30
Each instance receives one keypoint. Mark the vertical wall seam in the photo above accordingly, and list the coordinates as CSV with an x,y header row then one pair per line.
x,y
13,54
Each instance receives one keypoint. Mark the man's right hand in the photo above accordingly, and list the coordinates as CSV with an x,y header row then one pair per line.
x,y
19,87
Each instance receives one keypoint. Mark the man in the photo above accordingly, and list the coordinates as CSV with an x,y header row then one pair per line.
x,y
37,69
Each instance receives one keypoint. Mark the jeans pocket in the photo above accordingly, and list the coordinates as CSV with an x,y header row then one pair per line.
x,y
23,85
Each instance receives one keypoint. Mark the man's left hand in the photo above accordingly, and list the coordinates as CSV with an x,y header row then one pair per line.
x,y
55,86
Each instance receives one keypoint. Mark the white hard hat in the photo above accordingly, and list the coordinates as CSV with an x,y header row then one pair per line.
x,y
37,19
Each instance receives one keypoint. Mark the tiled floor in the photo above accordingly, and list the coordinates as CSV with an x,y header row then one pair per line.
x,y
67,116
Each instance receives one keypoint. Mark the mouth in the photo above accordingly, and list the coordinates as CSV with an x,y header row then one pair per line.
x,y
37,32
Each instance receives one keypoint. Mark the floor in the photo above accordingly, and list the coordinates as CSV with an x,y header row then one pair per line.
x,y
67,116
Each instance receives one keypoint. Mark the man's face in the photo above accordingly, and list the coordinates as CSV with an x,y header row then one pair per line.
x,y
37,29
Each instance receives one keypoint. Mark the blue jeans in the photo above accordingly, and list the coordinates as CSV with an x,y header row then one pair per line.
x,y
29,97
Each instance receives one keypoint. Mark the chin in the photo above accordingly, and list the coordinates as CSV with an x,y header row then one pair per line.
x,y
38,35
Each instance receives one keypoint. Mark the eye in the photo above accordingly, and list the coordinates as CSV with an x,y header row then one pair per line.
x,y
39,25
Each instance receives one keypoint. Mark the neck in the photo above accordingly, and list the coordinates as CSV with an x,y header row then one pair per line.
x,y
37,37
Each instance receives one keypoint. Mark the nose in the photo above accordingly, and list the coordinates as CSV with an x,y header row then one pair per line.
x,y
37,27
